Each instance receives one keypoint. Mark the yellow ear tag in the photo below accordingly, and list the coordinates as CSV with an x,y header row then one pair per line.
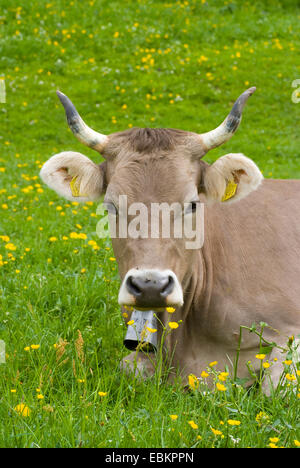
x,y
74,189
230,190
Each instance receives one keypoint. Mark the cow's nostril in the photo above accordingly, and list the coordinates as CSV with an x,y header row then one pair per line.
x,y
132,287
168,288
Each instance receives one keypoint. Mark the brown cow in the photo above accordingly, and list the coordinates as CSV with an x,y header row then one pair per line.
x,y
247,269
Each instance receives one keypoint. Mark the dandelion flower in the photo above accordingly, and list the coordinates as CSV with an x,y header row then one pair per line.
x,y
173,417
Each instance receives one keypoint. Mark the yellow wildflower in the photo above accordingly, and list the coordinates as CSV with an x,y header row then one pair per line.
x,y
23,410
233,422
216,431
221,387
290,377
173,325
223,376
173,417
35,346
214,363
260,356
193,424
10,246
193,381
262,418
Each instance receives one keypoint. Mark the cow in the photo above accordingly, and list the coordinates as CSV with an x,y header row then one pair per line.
x,y
247,270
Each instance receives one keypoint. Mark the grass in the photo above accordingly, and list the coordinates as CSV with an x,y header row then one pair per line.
x,y
146,63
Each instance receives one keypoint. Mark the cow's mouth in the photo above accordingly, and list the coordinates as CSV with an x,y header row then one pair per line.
x,y
150,290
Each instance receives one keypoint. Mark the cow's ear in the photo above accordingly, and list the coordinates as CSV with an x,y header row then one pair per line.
x,y
74,176
231,178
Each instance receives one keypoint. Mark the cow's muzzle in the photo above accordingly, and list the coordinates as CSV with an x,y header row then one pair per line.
x,y
150,289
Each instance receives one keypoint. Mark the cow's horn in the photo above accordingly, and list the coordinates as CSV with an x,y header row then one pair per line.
x,y
83,133
224,132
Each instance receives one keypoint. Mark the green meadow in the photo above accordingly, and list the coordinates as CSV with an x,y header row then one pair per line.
x,y
141,63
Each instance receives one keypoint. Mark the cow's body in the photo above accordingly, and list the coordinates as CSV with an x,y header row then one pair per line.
x,y
247,270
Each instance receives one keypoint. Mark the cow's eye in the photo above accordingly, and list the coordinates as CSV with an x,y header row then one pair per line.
x,y
191,208
111,208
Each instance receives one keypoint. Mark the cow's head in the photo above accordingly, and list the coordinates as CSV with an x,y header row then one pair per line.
x,y
152,166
